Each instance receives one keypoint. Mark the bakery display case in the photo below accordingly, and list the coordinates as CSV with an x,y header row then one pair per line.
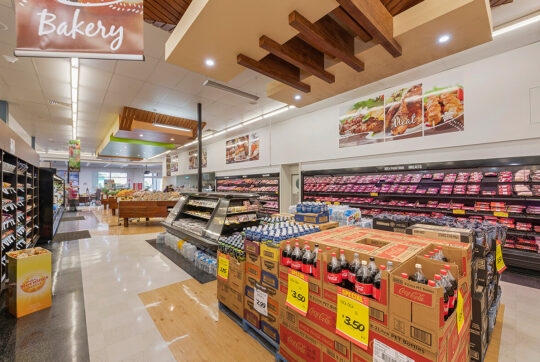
x,y
265,185
20,207
506,191
53,190
202,218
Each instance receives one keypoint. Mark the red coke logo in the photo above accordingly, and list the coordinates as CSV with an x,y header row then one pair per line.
x,y
414,295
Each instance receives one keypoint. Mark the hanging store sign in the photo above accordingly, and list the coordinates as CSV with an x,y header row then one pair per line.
x,y
106,29
74,156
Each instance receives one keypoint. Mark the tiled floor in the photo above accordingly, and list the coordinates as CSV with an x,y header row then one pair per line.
x,y
118,298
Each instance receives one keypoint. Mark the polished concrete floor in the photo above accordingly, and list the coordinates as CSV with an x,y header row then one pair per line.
x,y
117,298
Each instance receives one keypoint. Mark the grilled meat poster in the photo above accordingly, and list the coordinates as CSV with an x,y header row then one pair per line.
x,y
362,123
422,109
444,110
242,149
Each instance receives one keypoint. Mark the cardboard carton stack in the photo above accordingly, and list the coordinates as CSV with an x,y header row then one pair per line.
x,y
230,292
405,321
485,287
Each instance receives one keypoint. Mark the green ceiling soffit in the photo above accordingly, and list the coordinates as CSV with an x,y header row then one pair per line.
x,y
142,142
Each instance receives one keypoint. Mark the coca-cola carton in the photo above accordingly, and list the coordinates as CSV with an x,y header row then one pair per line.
x,y
420,313
296,329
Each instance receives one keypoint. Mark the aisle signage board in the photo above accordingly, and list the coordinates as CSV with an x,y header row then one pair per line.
x,y
104,29
352,320
74,156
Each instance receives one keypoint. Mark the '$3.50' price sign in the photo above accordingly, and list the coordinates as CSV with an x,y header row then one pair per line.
x,y
352,320
223,266
298,291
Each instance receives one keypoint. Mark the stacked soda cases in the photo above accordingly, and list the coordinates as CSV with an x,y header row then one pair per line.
x,y
413,299
263,257
230,292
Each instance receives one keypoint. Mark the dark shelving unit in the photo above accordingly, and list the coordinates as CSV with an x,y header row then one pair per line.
x,y
52,190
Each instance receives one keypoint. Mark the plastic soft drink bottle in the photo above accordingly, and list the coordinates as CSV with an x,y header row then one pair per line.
x,y
307,262
286,255
377,284
439,283
389,266
344,269
452,295
334,271
353,269
372,267
418,275
442,257
314,257
296,258
364,280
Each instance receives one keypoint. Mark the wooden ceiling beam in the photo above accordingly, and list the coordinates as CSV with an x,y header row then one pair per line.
x,y
350,23
376,20
300,54
275,68
329,37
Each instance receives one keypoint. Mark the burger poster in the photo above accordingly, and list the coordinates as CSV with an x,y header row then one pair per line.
x,y
243,148
431,107
108,29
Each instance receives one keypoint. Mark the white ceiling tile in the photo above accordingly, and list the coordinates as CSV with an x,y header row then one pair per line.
x,y
151,93
122,84
99,64
91,95
57,112
23,95
176,98
57,91
192,83
94,78
119,99
7,17
21,79
167,75
58,69
136,69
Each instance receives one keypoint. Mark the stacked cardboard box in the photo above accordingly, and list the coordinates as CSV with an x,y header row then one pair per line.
x,y
230,292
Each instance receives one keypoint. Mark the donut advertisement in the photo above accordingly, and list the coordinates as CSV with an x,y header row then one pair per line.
x,y
109,29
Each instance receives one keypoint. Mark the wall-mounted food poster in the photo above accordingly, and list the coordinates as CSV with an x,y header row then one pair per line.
x,y
243,148
426,108
175,160
194,159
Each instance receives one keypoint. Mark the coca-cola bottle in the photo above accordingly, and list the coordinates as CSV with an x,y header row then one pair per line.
x,y
432,254
377,284
364,281
307,261
418,276
286,255
442,257
439,283
451,278
296,258
427,256
389,266
405,275
353,269
431,283
344,269
372,267
314,256
334,271
452,294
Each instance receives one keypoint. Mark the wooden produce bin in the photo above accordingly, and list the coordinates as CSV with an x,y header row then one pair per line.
x,y
143,209
113,204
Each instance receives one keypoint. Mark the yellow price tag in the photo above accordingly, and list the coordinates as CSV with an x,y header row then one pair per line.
x,y
459,312
499,262
336,203
500,214
298,292
374,194
223,266
461,212
328,203
352,320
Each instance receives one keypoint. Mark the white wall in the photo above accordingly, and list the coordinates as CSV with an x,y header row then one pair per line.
x,y
498,123
16,126
88,177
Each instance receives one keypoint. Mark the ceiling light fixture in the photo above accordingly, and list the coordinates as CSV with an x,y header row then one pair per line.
x,y
141,135
444,38
297,97
275,113
505,28
235,127
253,120
223,87
74,93
172,139
172,127
209,62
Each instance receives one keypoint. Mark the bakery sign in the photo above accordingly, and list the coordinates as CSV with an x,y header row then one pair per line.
x,y
105,29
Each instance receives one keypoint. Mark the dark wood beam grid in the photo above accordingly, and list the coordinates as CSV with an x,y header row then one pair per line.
x,y
275,68
327,36
300,54
373,16
350,23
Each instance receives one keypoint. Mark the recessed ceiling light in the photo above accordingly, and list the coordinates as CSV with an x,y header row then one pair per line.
x,y
297,97
141,135
444,38
209,62
172,139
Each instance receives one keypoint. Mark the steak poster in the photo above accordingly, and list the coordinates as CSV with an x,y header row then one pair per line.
x,y
419,110
243,148
110,29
